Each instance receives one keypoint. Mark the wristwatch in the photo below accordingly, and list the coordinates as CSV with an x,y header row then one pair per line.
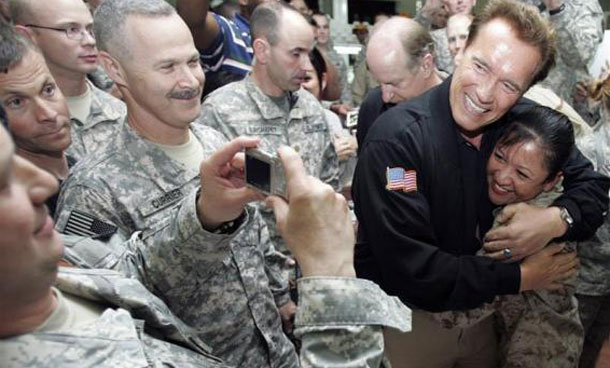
x,y
557,10
565,216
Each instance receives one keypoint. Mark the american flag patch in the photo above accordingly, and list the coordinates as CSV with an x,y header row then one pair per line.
x,y
399,179
80,223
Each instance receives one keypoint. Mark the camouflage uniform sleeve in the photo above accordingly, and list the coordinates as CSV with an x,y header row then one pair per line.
x,y
579,31
329,170
340,321
162,258
210,117
359,85
95,202
276,265
346,93
76,149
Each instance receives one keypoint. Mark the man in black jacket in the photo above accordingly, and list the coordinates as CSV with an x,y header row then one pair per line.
x,y
421,198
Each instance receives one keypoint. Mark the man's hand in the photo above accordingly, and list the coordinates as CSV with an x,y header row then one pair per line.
x,y
341,109
524,230
315,222
346,147
580,92
223,191
287,312
548,268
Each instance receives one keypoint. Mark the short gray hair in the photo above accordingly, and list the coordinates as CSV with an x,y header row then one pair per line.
x,y
266,21
13,47
109,21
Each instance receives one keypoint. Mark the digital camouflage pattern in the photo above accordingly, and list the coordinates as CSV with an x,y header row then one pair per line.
x,y
101,79
537,328
579,32
444,60
594,254
242,109
339,63
220,283
106,115
349,336
351,333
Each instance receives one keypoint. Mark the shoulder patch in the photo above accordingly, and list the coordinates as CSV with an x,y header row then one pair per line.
x,y
83,224
399,179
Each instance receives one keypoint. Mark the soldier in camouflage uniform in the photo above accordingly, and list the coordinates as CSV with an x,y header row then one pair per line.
x,y
273,107
593,286
105,116
224,287
578,24
70,56
100,318
324,43
241,290
39,122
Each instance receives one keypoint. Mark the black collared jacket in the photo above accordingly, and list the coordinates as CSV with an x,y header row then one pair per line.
x,y
421,245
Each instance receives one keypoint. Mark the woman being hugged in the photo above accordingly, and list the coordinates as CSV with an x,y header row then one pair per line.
x,y
539,328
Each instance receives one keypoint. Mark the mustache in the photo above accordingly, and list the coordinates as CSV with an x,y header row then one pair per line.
x,y
185,94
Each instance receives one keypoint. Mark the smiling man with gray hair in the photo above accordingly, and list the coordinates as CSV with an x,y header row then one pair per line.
x,y
149,179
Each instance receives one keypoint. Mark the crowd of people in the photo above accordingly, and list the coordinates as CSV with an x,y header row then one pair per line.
x,y
462,222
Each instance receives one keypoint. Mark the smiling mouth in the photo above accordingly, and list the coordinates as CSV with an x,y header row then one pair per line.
x,y
498,189
472,106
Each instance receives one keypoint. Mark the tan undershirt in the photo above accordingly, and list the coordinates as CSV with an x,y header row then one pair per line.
x,y
189,154
80,106
71,312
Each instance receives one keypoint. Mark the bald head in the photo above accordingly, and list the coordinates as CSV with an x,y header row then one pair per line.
x,y
400,56
266,21
399,35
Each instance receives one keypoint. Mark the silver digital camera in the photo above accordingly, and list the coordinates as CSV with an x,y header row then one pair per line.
x,y
265,172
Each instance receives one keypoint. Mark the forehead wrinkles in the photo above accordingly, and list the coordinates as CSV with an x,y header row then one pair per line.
x,y
28,70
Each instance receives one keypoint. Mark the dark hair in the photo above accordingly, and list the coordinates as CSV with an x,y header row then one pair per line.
x,y
214,81
13,47
550,129
318,62
529,26
266,19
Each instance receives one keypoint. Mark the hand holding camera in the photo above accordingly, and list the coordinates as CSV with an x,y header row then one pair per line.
x,y
223,190
314,222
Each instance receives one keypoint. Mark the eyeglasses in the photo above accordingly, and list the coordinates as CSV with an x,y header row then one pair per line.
x,y
76,33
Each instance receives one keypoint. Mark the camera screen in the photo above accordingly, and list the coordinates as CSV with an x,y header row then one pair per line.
x,y
258,173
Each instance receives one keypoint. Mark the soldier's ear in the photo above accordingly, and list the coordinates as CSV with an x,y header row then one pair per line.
x,y
262,50
25,32
113,68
